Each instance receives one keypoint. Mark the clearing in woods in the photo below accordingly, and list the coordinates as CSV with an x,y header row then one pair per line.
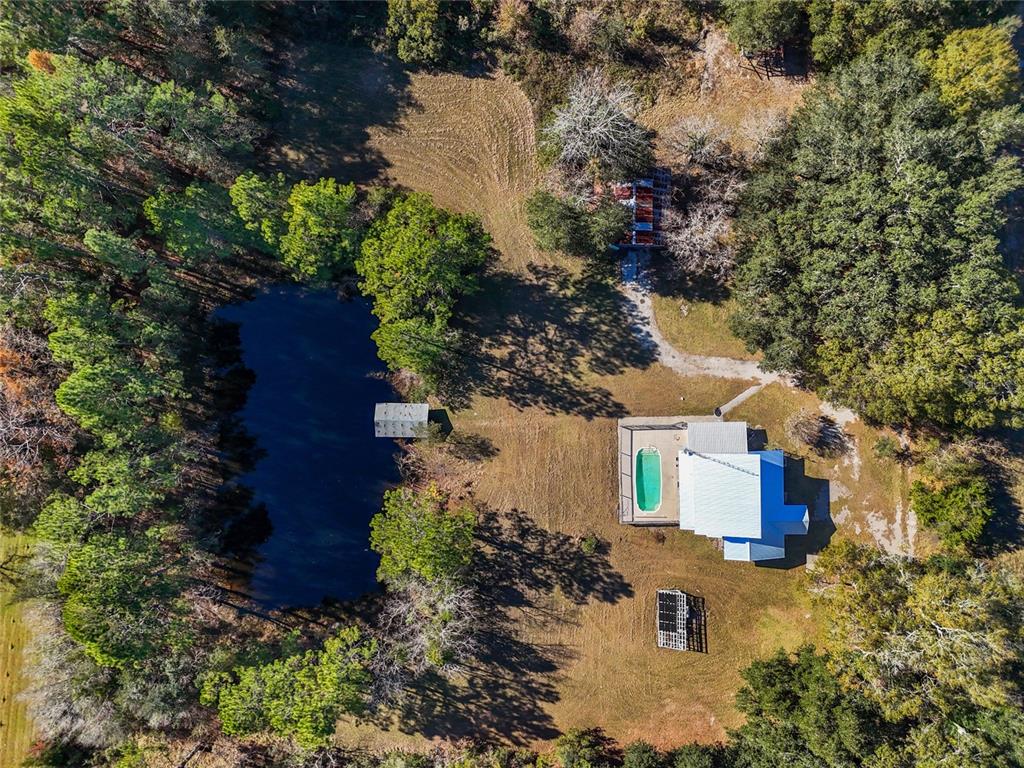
x,y
571,642
745,105
16,732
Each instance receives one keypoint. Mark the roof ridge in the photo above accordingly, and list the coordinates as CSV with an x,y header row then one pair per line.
x,y
721,461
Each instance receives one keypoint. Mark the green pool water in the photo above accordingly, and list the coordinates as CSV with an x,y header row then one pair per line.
x,y
648,479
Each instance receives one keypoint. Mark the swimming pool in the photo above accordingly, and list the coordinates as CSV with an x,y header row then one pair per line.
x,y
648,479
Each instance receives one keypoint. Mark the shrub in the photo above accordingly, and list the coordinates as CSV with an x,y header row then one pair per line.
x,y
975,69
956,509
887,448
761,25
581,748
696,756
419,30
606,224
640,754
559,225
555,223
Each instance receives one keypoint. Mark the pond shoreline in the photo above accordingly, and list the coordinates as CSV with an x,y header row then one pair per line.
x,y
312,474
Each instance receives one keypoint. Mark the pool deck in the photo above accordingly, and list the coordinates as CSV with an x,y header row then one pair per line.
x,y
668,435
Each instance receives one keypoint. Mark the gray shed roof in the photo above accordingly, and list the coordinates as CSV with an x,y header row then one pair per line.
x,y
399,419
717,436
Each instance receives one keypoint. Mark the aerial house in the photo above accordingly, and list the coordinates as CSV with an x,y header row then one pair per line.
x,y
698,474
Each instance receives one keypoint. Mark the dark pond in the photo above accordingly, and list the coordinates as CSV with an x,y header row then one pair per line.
x,y
322,473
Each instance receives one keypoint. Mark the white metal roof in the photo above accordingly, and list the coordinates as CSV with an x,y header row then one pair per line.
x,y
710,437
720,495
399,419
752,551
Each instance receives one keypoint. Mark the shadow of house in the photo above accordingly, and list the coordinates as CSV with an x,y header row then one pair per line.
x,y
537,341
757,439
439,416
520,567
814,493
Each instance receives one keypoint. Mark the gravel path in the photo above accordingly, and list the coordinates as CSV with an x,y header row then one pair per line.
x,y
636,287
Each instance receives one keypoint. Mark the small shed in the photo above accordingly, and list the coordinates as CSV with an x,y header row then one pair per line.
x,y
400,419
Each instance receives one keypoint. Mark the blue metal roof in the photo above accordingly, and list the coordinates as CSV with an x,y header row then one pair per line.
x,y
742,494
777,517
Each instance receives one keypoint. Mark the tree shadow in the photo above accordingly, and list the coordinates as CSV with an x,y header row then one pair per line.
x,y
537,341
814,493
330,91
521,559
1005,531
668,282
520,568
233,523
470,446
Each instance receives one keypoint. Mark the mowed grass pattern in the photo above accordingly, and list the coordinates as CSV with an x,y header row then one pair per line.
x,y
561,471
580,643
470,142
16,734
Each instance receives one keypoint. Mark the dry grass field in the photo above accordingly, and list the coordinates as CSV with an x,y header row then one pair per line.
x,y
15,728
572,641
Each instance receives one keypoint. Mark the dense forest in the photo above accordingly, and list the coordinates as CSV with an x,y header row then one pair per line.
x,y
865,238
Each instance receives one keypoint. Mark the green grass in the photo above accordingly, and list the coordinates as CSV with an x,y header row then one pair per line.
x,y
699,327
16,733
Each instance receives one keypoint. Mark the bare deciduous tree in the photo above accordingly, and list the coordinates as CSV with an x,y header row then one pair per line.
x,y
760,129
583,28
429,627
32,428
700,237
818,432
390,674
595,133
27,428
60,706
